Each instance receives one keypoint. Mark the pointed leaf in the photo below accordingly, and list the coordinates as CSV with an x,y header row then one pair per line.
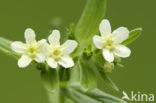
x,y
78,97
76,94
133,35
88,24
105,97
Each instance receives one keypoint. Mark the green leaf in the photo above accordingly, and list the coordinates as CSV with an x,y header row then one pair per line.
x,y
5,47
88,24
87,75
76,94
105,97
50,79
133,35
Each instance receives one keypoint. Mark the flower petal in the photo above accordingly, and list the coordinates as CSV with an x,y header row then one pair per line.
x,y
18,47
108,55
105,27
24,61
66,61
30,36
40,58
54,38
69,46
120,34
42,45
97,41
51,62
122,51
46,49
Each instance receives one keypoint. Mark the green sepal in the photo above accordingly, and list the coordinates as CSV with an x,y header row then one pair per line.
x,y
64,74
88,78
50,79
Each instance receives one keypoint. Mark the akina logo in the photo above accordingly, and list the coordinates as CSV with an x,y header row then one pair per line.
x,y
138,97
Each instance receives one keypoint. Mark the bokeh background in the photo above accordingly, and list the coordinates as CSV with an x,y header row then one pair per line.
x,y
24,85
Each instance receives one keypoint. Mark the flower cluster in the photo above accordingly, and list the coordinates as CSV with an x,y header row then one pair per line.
x,y
54,53
41,51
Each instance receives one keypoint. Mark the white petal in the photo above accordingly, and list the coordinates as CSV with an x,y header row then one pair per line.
x,y
122,51
41,44
51,62
66,61
24,61
120,34
69,46
30,36
46,49
105,27
97,41
108,55
18,47
40,58
54,38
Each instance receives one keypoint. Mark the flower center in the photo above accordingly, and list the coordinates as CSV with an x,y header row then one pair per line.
x,y
108,42
56,53
32,50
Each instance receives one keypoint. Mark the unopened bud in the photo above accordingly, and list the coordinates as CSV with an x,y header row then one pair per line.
x,y
87,54
108,67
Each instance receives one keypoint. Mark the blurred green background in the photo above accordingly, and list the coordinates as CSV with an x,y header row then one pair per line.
x,y
24,85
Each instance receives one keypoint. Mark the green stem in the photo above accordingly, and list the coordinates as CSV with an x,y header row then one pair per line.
x,y
56,97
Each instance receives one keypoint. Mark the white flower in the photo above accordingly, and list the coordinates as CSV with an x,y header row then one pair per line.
x,y
59,54
109,41
31,50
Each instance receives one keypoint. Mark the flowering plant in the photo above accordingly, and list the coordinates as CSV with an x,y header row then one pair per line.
x,y
71,71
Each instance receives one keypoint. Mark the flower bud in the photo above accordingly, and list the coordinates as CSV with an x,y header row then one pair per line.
x,y
108,67
87,54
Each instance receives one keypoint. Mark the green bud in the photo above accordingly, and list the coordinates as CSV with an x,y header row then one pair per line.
x,y
87,54
108,67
